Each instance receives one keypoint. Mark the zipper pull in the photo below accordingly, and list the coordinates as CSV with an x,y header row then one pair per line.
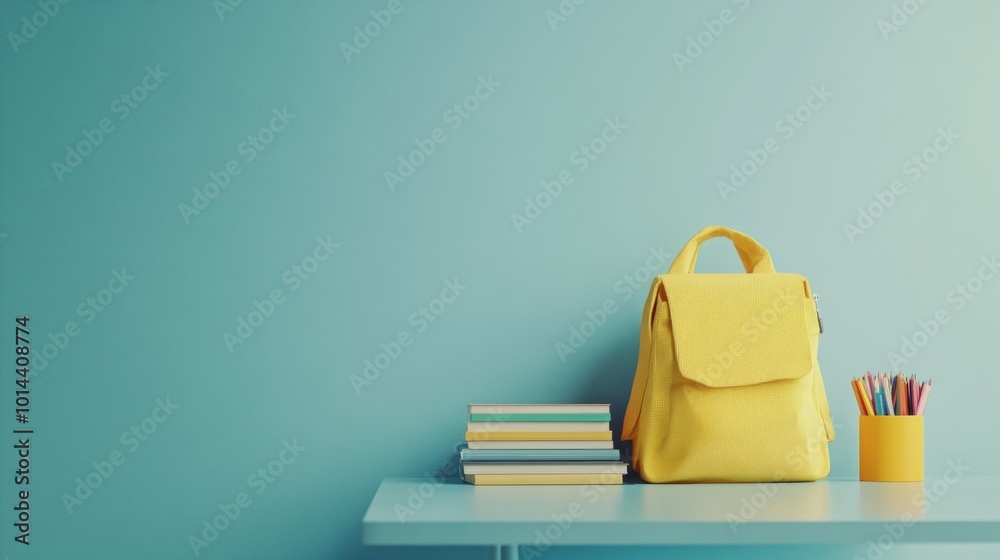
x,y
818,319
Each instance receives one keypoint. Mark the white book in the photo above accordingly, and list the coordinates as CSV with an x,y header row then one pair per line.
x,y
576,467
539,409
608,444
539,426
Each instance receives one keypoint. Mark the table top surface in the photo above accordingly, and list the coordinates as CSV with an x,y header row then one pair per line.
x,y
953,508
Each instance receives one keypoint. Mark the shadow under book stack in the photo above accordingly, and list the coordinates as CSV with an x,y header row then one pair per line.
x,y
515,444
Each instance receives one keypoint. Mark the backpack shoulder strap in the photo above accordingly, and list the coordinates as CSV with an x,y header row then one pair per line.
x,y
642,366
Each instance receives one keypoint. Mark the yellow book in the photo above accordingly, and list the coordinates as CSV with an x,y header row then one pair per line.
x,y
528,479
591,435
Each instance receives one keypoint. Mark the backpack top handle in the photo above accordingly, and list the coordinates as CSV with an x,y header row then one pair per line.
x,y
755,257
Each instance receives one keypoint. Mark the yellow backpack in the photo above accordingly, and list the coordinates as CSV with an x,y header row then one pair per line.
x,y
727,387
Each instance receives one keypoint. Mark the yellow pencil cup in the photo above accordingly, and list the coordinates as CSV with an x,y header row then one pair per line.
x,y
892,448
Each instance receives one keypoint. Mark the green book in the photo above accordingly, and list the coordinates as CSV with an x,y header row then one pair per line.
x,y
551,417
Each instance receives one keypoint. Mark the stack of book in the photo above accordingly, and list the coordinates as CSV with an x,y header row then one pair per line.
x,y
512,444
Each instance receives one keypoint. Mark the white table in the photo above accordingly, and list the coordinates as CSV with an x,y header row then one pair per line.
x,y
419,512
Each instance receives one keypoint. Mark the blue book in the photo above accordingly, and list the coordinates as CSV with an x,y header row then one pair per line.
x,y
522,455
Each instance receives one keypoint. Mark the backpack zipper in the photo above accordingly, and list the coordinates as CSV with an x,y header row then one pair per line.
x,y
818,319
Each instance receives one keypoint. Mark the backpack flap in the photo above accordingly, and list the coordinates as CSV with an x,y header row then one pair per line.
x,y
733,330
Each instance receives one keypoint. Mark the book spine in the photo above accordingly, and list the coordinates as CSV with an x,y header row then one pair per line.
x,y
531,479
539,435
538,426
514,455
540,417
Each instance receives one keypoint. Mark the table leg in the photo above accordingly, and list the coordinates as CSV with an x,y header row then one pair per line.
x,y
503,552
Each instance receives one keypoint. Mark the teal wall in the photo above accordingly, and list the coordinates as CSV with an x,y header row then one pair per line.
x,y
296,134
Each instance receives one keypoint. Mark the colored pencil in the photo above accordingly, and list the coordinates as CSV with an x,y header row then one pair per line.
x,y
887,394
869,410
904,405
924,392
857,396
